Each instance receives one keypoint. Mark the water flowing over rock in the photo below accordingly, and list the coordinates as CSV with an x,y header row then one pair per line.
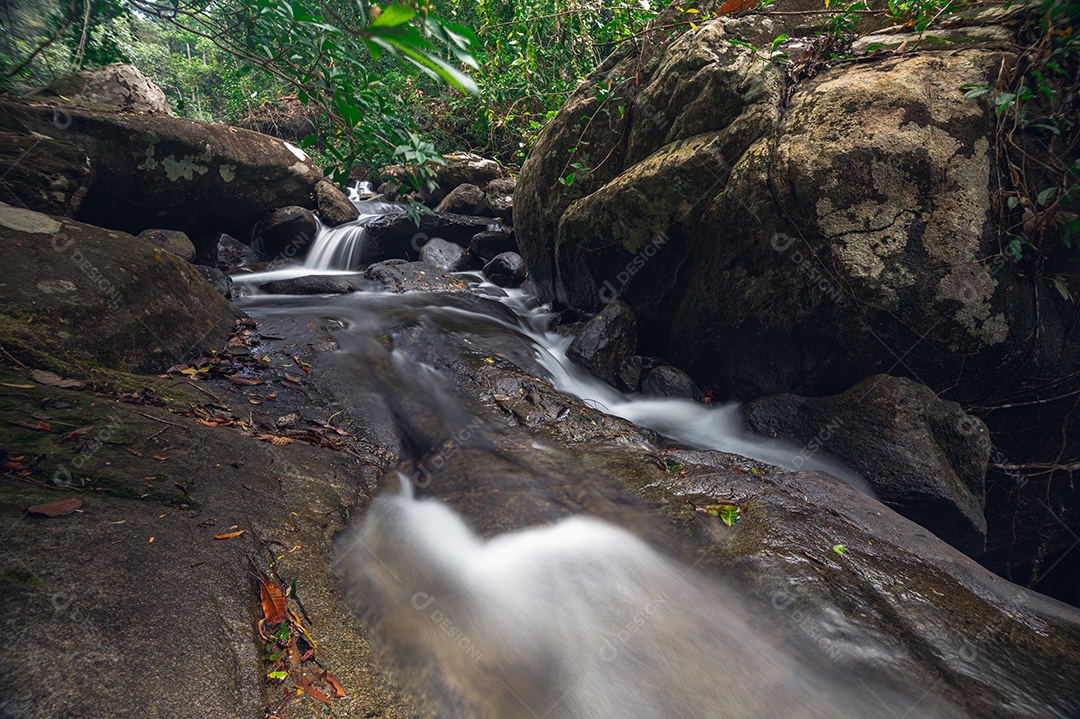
x,y
774,237
102,297
922,455
188,175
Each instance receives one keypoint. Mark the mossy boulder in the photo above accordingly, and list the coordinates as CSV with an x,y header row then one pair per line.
x,y
150,171
77,298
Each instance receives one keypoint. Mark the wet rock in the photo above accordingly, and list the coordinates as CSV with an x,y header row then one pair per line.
x,y
220,281
506,269
42,174
605,341
668,381
923,455
114,87
445,256
188,175
500,194
486,245
335,208
395,236
172,241
232,254
206,248
309,285
466,200
101,298
286,232
458,168
405,276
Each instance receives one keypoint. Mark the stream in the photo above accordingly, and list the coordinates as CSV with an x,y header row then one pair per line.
x,y
569,608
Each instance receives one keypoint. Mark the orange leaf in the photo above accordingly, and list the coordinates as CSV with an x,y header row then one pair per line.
x,y
273,600
736,6
159,458
339,691
230,535
245,381
77,433
36,424
57,509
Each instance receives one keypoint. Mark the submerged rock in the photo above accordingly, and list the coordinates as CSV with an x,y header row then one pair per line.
x,y
101,297
605,341
922,455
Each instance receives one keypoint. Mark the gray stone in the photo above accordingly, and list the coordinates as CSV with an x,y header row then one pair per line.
x,y
335,208
220,281
444,255
668,381
466,200
114,87
172,241
285,233
486,245
922,455
605,341
506,269
309,285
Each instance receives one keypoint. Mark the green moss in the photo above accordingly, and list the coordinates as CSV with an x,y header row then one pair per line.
x,y
22,576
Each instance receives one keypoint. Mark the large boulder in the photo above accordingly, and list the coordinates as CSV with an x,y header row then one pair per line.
x,y
285,232
171,241
923,456
466,199
76,297
776,237
506,270
309,285
149,171
114,87
50,176
335,208
396,236
444,255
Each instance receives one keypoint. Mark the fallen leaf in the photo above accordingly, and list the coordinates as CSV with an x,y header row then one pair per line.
x,y
77,433
36,424
339,691
500,397
230,535
159,458
151,540
839,548
244,381
273,600
17,386
137,454
54,380
59,508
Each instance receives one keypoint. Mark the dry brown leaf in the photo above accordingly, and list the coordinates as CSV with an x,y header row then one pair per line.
x,y
244,381
59,508
17,386
230,535
77,433
159,458
273,600
339,691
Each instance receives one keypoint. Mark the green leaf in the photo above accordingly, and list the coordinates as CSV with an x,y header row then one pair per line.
x,y
1012,202
568,180
1062,289
277,675
1044,196
393,16
977,91
729,513
839,548
777,42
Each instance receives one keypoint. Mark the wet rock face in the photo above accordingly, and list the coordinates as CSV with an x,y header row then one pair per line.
x,y
42,174
233,254
334,207
605,341
102,297
285,233
486,245
309,285
506,269
664,381
922,455
220,281
405,276
445,256
187,175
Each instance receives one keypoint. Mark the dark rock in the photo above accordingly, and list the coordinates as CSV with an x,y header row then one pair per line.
x,y
101,298
42,174
232,253
172,241
445,256
220,281
500,194
466,200
285,232
334,207
506,269
395,236
309,285
628,377
404,276
486,245
206,249
113,87
605,341
668,381
188,175
458,168
923,455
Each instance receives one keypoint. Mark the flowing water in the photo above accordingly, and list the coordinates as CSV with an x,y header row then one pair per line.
x,y
572,616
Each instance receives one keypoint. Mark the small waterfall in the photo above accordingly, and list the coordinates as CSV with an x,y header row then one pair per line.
x,y
338,248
